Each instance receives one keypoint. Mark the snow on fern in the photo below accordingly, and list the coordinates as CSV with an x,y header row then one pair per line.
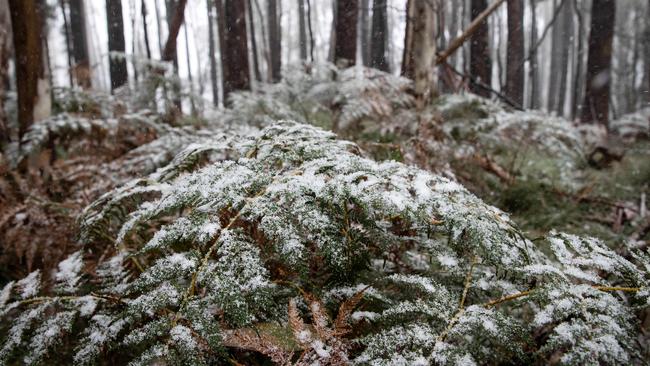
x,y
240,238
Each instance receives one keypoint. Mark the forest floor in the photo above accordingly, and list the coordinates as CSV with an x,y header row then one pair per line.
x,y
547,172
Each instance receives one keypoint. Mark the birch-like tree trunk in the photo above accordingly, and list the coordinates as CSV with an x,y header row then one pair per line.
x,y
302,29
365,36
422,48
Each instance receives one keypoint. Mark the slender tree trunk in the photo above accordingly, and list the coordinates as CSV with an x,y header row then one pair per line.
x,y
116,43
79,43
311,32
515,65
170,6
577,81
143,11
408,69
379,35
256,64
302,30
422,49
31,79
647,52
159,26
189,71
170,52
212,50
561,37
480,62
68,41
534,66
5,54
345,51
275,41
365,36
595,108
234,54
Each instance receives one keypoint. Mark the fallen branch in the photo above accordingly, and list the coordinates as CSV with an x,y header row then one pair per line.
x,y
492,167
474,25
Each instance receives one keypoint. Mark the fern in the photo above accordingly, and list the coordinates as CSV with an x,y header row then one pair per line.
x,y
269,242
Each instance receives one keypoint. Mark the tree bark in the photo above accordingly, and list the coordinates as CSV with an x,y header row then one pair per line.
x,y
379,35
647,52
212,50
302,30
534,66
480,64
5,53
251,22
364,35
311,32
515,59
116,43
275,42
170,52
68,41
422,50
345,49
561,39
79,44
595,107
408,71
31,80
145,30
234,53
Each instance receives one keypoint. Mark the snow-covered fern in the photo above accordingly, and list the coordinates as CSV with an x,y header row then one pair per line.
x,y
287,244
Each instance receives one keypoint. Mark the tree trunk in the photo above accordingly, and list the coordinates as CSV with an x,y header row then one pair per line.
x,y
31,79
579,57
256,64
365,36
79,44
595,107
422,49
189,71
408,70
312,41
212,50
5,53
275,42
534,66
515,66
116,43
68,41
143,12
379,35
345,49
302,30
480,64
647,52
234,53
170,52
561,39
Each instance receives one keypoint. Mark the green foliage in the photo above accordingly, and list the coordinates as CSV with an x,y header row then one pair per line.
x,y
219,243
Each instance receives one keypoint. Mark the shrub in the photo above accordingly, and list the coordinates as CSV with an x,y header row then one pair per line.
x,y
289,244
